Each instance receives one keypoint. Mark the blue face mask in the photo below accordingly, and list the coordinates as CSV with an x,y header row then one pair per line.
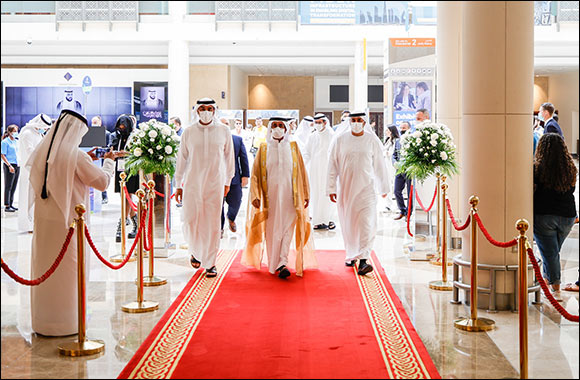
x,y
15,135
540,116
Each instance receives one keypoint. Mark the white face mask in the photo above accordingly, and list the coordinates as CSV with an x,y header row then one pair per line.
x,y
319,127
277,133
356,127
205,116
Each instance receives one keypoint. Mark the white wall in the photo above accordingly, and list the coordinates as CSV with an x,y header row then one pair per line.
x,y
238,88
563,93
322,93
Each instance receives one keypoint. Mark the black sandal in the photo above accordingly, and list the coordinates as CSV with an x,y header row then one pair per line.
x,y
211,272
284,272
331,225
321,227
194,262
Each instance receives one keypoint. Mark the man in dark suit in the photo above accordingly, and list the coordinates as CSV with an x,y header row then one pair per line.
x,y
547,114
234,197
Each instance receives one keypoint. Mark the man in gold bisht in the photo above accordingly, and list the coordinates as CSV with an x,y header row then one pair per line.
x,y
278,204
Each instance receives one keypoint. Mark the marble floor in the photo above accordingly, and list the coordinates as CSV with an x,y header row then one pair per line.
x,y
553,341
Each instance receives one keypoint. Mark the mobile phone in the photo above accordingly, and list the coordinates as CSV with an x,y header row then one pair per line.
x,y
100,152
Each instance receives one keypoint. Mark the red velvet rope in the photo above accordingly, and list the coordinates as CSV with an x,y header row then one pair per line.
x,y
457,227
546,290
147,244
127,257
50,270
410,203
500,244
130,201
432,201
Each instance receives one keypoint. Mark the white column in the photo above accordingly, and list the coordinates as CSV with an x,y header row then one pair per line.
x,y
358,78
497,91
178,64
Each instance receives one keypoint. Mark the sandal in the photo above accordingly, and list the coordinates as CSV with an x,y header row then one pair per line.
x,y
194,262
321,227
331,225
570,287
211,272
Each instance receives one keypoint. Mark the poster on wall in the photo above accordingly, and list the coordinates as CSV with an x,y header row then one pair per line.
x,y
543,13
408,97
150,100
354,12
24,103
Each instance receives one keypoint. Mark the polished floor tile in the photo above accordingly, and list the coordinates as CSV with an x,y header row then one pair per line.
x,y
553,342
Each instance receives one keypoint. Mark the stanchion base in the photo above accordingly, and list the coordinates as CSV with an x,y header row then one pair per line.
x,y
153,281
140,307
119,258
88,347
474,325
437,261
440,285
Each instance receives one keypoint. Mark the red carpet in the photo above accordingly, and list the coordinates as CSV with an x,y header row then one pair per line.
x,y
249,324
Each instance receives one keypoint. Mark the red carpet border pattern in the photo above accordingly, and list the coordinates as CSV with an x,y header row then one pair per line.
x,y
396,345
160,359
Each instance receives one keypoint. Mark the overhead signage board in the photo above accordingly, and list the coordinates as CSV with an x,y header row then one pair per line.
x,y
354,12
413,42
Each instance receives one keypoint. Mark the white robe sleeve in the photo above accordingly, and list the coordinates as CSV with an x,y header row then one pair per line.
x,y
380,167
331,179
306,152
93,176
182,157
230,159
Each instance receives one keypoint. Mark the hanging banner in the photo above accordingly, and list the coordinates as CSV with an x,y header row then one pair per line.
x,y
354,12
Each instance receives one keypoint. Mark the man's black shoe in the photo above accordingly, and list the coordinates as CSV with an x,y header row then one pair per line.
x,y
350,263
364,268
211,272
9,209
284,272
135,222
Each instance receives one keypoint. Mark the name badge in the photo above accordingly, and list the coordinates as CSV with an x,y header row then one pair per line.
x,y
120,164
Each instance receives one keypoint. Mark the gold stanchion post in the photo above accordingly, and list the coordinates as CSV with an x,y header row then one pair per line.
x,y
437,259
472,323
121,256
82,346
140,306
443,284
522,226
152,280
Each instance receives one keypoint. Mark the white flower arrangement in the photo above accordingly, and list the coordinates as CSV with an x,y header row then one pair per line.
x,y
428,150
152,148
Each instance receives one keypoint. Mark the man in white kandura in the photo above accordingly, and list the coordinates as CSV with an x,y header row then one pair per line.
x,y
278,204
356,158
60,177
28,139
316,158
205,168
303,132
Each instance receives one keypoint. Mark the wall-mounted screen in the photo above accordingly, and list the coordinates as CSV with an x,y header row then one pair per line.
x,y
150,100
24,103
338,93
